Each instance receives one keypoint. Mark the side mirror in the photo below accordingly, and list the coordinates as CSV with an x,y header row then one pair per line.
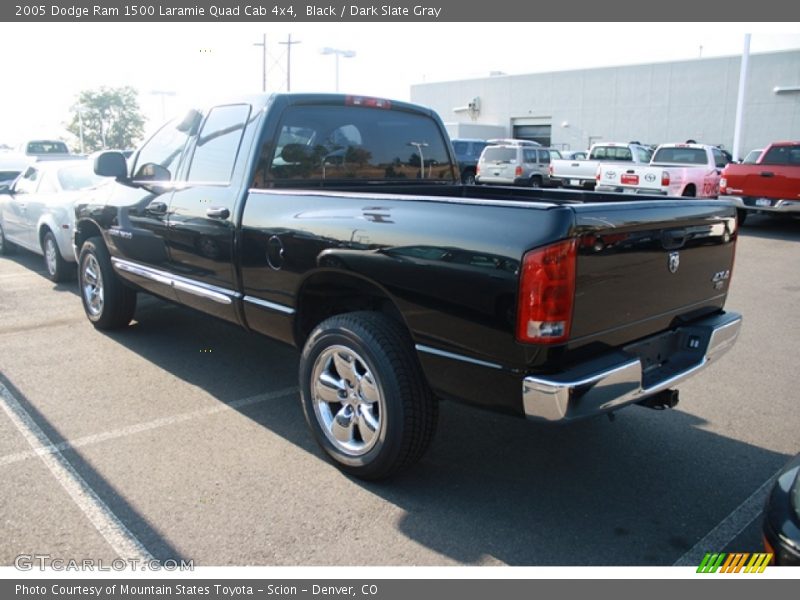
x,y
152,172
111,164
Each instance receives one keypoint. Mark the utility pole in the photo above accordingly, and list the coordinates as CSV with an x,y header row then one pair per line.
x,y
288,45
263,44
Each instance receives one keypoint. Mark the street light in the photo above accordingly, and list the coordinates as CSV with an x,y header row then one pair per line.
x,y
336,52
163,95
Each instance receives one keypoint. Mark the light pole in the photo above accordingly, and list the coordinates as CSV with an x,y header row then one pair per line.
x,y
419,146
163,94
80,126
337,53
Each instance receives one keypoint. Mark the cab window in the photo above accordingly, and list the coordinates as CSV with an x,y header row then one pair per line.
x,y
218,144
159,158
345,143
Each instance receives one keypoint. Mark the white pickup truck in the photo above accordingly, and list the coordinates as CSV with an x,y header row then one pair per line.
x,y
582,173
675,170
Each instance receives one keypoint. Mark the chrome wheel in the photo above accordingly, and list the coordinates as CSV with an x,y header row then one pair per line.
x,y
92,285
51,260
348,402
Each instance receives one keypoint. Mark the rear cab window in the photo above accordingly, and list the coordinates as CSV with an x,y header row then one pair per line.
x,y
347,143
782,155
612,153
681,156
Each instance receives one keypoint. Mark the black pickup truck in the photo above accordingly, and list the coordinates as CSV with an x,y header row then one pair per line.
x,y
338,224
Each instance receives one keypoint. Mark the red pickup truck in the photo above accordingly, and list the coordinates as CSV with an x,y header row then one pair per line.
x,y
771,185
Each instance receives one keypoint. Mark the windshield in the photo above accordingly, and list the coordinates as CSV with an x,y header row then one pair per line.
x,y
681,156
752,157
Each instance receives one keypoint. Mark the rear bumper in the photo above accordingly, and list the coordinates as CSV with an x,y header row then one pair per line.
x,y
632,374
776,205
632,190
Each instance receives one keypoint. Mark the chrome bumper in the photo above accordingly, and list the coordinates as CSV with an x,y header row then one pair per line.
x,y
630,375
768,205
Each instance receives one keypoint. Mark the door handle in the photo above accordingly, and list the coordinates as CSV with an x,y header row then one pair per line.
x,y
157,207
216,212
767,174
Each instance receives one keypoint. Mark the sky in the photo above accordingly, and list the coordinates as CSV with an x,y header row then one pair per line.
x,y
197,62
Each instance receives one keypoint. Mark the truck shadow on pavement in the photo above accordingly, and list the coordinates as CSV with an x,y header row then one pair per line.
x,y
764,226
34,262
495,489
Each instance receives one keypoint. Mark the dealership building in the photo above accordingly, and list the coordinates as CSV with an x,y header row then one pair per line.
x,y
650,103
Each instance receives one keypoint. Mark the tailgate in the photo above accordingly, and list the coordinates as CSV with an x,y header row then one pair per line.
x,y
644,266
627,177
574,169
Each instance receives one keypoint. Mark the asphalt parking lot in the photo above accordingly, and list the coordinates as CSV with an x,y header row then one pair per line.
x,y
183,438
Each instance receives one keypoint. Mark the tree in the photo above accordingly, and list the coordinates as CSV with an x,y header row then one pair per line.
x,y
111,119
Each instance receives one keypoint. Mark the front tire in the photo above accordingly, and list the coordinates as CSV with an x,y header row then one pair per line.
x,y
108,303
57,267
364,395
6,247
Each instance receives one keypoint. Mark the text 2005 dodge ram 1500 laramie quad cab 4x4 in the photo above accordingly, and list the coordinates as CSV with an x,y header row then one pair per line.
x,y
337,224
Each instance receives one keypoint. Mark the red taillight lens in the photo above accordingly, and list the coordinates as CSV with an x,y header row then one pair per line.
x,y
546,293
723,185
664,178
366,101
478,169
518,172
597,174
550,170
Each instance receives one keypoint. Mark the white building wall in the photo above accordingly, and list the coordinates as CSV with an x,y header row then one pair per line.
x,y
652,103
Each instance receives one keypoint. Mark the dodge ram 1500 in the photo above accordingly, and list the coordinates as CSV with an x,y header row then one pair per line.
x,y
338,224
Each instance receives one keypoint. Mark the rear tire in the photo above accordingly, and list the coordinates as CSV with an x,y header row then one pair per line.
x,y
364,395
536,181
108,303
468,178
57,267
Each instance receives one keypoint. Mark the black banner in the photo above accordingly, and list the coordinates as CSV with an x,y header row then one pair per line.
x,y
384,589
395,11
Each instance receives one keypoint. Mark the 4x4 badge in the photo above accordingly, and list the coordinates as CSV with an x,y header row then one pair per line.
x,y
674,262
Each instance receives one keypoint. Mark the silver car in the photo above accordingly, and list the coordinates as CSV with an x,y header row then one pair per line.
x,y
516,165
36,212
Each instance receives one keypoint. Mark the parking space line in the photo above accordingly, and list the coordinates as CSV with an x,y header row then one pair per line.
x,y
108,525
44,449
730,527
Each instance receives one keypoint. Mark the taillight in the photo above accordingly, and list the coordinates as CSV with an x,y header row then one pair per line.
x,y
518,172
478,169
723,185
546,293
366,101
597,175
664,178
550,169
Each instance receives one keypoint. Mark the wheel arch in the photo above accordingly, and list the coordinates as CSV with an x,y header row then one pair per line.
x,y
329,292
85,229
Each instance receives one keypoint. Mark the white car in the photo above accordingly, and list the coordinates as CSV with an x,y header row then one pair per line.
x,y
36,211
691,170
